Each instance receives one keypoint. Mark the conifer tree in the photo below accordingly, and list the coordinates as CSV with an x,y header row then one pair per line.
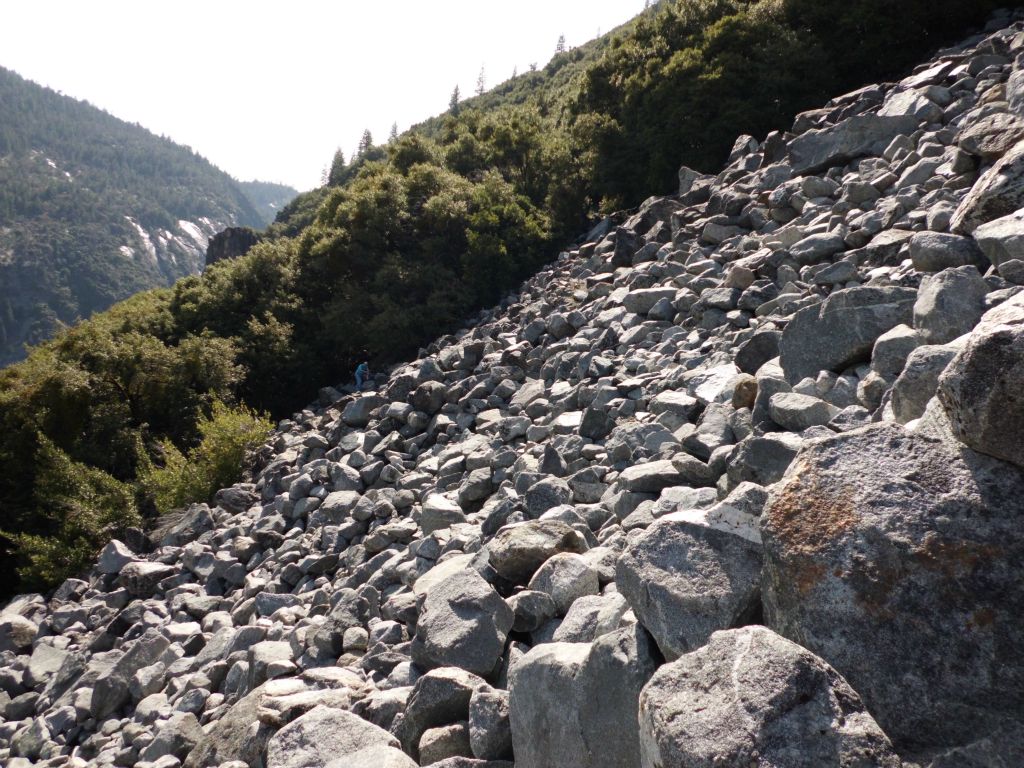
x,y
481,82
560,47
365,143
333,174
394,133
453,102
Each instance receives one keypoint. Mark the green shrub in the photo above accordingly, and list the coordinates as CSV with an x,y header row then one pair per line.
x,y
83,508
226,436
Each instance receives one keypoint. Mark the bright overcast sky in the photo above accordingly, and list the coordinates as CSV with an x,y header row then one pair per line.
x,y
269,90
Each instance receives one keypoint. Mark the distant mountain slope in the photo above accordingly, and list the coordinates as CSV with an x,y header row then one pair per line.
x,y
268,198
93,210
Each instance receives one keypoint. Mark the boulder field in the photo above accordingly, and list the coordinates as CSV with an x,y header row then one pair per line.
x,y
738,481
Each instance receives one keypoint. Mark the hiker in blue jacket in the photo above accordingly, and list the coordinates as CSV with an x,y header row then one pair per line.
x,y
362,374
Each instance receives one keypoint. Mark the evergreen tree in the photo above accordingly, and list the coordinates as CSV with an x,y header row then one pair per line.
x,y
393,136
560,46
365,143
515,72
481,82
335,175
453,102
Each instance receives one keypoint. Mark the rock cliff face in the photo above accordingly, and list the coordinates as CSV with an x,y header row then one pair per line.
x,y
230,244
737,484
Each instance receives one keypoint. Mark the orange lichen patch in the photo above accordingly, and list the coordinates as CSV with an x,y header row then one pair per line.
x,y
806,575
810,513
953,557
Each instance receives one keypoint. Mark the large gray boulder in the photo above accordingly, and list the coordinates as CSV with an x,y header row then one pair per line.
x,y
440,697
992,136
111,691
981,389
751,697
685,580
237,735
16,633
141,577
999,192
1002,239
321,735
896,558
841,331
936,251
359,411
949,304
817,150
490,733
919,379
463,623
594,690
518,550
565,577
374,756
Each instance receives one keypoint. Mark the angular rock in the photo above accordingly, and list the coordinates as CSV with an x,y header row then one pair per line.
x,y
1002,239
751,697
490,733
999,192
919,380
359,411
841,331
936,251
463,623
981,388
908,544
817,150
114,557
16,633
518,550
443,743
797,412
440,513
949,304
237,735
595,688
111,692
440,697
321,735
565,577
141,577
684,581
375,756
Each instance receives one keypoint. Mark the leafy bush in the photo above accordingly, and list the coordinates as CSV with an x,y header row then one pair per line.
x,y
226,436
82,508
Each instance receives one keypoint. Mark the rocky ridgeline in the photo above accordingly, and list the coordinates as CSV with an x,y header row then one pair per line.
x,y
737,483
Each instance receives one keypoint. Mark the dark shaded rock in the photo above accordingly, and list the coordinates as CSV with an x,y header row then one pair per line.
x,y
230,243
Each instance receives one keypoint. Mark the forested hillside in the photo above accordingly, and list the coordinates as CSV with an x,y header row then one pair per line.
x,y
93,210
410,238
267,198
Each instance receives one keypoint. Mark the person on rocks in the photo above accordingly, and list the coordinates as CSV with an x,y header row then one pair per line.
x,y
362,373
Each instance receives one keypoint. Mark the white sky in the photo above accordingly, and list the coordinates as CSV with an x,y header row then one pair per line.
x,y
269,90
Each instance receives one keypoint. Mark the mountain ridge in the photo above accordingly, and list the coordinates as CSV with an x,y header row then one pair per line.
x,y
94,209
